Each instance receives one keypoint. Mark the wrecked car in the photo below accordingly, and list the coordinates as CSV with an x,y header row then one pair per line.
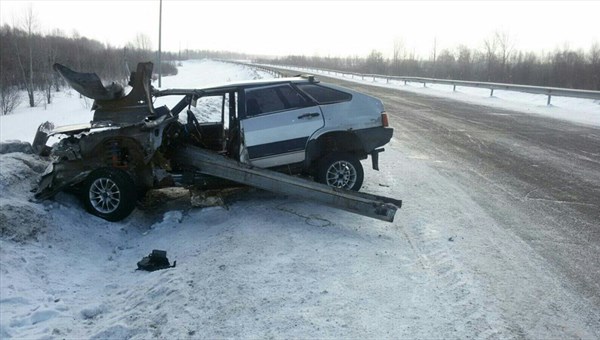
x,y
297,126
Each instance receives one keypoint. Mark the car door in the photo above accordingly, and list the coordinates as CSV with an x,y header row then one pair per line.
x,y
277,123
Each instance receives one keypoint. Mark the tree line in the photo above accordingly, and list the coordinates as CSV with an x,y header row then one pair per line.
x,y
27,56
497,62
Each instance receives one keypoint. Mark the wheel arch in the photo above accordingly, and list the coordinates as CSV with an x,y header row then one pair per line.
x,y
333,141
340,169
123,153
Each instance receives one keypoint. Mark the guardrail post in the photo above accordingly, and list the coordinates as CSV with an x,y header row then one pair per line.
x,y
405,82
387,80
454,88
424,84
373,78
492,93
363,77
549,98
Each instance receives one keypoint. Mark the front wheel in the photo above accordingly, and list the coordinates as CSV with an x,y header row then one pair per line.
x,y
109,194
341,170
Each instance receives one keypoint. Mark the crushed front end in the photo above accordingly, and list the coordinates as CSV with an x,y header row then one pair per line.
x,y
125,133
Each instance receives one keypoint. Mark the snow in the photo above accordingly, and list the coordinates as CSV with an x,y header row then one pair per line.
x,y
67,108
578,110
269,266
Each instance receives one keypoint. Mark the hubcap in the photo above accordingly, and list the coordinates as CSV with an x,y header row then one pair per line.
x,y
341,174
105,195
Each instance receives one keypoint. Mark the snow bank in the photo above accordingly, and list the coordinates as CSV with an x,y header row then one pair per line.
x,y
67,108
20,219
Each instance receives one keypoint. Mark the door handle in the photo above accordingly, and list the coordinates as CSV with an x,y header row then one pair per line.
x,y
308,115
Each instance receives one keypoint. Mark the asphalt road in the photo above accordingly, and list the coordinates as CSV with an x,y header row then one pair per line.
x,y
537,177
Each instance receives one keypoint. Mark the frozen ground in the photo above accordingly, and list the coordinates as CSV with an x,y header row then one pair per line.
x,y
272,266
584,111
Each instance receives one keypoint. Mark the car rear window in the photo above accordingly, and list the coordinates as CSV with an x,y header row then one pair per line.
x,y
324,95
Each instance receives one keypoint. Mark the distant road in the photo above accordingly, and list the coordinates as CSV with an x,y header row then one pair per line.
x,y
538,177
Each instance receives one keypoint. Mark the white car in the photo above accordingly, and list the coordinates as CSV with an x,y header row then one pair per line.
x,y
293,125
298,125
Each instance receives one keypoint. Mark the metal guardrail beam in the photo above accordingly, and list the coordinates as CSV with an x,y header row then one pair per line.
x,y
211,163
555,91
268,70
548,91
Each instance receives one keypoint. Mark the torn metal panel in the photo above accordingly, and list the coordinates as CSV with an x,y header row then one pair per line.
x,y
89,84
135,106
110,102
210,163
41,137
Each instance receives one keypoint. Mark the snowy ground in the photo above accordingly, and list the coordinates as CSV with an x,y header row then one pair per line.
x,y
269,265
585,111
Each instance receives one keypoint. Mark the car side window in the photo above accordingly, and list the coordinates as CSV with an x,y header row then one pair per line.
x,y
272,99
324,95
292,97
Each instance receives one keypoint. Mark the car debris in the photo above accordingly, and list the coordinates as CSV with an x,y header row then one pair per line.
x,y
156,260
271,134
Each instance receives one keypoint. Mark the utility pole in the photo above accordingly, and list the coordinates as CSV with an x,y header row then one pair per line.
x,y
159,43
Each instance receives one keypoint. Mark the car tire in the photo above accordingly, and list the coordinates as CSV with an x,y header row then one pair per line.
x,y
341,170
109,194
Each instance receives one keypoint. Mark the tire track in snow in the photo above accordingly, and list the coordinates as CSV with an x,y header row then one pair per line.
x,y
456,289
461,297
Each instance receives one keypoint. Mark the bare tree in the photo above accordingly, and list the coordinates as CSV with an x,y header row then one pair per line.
x,y
398,55
375,63
143,42
48,74
490,46
61,35
434,55
446,62
505,48
9,96
140,49
29,25
568,68
464,62
595,66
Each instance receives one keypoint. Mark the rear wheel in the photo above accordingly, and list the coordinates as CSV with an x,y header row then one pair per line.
x,y
341,170
109,194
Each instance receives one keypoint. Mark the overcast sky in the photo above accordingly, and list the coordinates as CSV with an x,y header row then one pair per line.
x,y
337,28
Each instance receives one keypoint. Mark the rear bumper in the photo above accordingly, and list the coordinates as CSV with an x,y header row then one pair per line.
x,y
372,138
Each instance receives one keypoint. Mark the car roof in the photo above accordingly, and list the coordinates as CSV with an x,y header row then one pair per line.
x,y
218,89
260,82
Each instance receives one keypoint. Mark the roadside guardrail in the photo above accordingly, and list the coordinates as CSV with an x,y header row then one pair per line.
x,y
548,91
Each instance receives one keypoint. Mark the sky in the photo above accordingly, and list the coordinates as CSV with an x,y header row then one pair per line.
x,y
324,28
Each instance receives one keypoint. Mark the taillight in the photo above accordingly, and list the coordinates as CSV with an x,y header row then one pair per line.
x,y
384,120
